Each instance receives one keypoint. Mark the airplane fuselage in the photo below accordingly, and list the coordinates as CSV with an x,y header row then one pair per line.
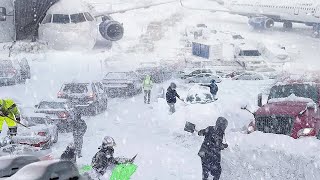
x,y
300,11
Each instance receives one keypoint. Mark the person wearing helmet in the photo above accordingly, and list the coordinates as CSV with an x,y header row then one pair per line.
x,y
69,154
213,88
10,114
210,151
147,87
171,97
79,128
104,159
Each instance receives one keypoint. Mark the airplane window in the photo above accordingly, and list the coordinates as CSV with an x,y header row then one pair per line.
x,y
77,18
47,19
61,19
88,17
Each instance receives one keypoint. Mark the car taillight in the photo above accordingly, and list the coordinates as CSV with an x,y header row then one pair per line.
x,y
92,96
63,115
60,94
13,71
42,133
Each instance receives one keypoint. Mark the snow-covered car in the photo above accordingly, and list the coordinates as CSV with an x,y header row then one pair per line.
x,y
20,149
60,112
9,165
270,73
122,84
199,95
194,72
248,76
203,78
249,57
45,170
13,71
157,72
89,97
39,132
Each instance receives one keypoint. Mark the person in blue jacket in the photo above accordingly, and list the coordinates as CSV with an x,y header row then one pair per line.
x,y
210,151
213,88
171,97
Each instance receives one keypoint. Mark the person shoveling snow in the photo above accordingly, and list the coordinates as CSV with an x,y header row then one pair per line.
x,y
171,97
213,88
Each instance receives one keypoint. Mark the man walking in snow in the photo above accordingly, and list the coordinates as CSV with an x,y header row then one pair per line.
x,y
213,88
171,97
210,151
147,87
79,128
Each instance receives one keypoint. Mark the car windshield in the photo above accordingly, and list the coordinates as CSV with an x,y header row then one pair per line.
x,y
250,53
299,90
75,88
52,105
37,120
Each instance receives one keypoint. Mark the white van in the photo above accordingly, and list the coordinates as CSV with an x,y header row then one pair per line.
x,y
249,57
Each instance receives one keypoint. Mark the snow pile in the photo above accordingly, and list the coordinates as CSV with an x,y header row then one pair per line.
x,y
291,98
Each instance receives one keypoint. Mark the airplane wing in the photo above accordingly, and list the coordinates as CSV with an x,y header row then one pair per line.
x,y
108,12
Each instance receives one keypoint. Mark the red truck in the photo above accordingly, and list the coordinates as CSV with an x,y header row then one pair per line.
x,y
292,109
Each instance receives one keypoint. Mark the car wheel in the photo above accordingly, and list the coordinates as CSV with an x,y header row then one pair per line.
x,y
56,137
257,79
191,82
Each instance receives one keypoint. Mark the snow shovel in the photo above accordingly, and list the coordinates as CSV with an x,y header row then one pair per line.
x,y
17,122
123,171
190,127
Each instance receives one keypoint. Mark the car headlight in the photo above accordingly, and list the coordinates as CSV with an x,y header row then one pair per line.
x,y
305,132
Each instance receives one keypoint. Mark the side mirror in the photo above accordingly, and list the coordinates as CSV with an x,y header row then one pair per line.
x,y
3,14
260,100
311,105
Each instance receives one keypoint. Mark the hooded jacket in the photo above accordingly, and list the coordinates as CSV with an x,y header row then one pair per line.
x,y
147,83
171,95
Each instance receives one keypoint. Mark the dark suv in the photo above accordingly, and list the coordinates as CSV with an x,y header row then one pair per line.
x,y
89,97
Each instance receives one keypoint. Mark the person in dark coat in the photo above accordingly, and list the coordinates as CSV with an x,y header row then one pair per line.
x,y
79,128
171,97
104,159
210,151
213,88
69,154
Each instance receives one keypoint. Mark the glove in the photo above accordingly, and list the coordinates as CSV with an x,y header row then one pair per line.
x,y
18,118
225,146
3,113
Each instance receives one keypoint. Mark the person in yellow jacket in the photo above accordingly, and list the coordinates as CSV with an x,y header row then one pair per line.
x,y
8,113
147,87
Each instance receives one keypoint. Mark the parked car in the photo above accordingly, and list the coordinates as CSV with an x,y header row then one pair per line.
x,y
248,76
233,74
59,112
20,149
270,73
196,72
89,97
291,109
122,84
203,78
39,132
9,165
199,95
49,170
13,71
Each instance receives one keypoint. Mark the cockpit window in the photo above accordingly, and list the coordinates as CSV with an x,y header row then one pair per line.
x,y
61,19
88,17
47,19
77,18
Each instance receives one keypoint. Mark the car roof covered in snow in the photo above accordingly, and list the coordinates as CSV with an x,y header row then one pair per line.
x,y
5,161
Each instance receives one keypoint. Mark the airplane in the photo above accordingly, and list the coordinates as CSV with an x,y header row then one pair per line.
x,y
64,24
263,14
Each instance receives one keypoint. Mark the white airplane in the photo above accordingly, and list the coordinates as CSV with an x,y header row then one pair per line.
x,y
70,24
263,14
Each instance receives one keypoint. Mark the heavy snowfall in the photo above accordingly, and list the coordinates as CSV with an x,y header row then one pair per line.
x,y
161,37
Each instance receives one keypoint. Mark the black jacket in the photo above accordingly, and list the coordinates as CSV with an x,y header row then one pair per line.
x,y
69,155
213,88
79,127
212,144
171,95
103,159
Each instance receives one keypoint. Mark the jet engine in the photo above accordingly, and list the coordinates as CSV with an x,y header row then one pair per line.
x,y
261,22
111,30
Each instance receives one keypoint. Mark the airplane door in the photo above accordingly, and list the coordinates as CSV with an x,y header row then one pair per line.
x,y
7,27
296,11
